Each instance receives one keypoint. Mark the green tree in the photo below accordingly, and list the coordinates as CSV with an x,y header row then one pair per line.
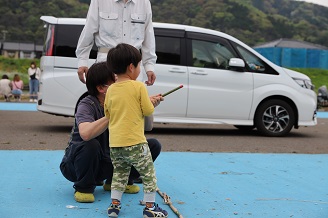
x,y
253,21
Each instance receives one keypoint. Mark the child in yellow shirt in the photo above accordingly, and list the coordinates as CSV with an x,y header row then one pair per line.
x,y
126,104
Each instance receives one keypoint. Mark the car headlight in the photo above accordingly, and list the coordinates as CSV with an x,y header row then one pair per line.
x,y
304,83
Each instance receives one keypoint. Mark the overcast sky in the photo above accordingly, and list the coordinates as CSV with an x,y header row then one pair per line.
x,y
319,2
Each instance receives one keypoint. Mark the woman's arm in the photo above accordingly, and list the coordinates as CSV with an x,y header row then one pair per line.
x,y
91,130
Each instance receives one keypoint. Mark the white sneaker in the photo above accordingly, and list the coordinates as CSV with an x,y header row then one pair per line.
x,y
31,100
35,100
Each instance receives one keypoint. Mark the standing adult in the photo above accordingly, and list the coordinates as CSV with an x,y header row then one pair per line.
x,y
110,22
17,85
5,87
86,161
34,75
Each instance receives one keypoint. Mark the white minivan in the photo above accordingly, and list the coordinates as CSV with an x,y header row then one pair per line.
x,y
225,81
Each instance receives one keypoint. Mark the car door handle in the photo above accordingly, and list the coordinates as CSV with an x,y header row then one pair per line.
x,y
199,73
177,70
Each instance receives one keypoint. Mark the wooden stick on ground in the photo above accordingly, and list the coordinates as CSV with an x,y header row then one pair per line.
x,y
167,200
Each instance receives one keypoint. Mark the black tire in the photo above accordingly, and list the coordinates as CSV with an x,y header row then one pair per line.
x,y
244,128
274,118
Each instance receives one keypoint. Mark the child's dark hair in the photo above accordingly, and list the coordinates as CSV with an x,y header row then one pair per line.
x,y
120,57
98,74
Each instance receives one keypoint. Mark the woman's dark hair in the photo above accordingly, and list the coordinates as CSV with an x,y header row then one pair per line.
x,y
120,57
97,75
4,76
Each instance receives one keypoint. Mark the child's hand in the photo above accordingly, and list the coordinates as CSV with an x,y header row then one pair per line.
x,y
156,99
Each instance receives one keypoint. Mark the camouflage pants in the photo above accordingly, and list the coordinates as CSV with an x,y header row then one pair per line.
x,y
138,156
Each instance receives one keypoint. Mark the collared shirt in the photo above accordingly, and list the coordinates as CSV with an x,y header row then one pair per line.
x,y
110,22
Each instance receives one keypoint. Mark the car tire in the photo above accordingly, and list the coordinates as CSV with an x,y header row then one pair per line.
x,y
244,128
274,117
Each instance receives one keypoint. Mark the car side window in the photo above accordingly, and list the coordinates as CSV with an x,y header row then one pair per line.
x,y
210,54
168,50
253,62
66,39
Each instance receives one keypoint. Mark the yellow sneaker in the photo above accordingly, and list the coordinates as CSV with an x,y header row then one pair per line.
x,y
84,197
130,189
107,187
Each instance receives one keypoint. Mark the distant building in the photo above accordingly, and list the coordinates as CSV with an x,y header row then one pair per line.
x,y
21,50
295,54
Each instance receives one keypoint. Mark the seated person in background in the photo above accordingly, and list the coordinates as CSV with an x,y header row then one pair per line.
x,y
17,85
87,160
5,87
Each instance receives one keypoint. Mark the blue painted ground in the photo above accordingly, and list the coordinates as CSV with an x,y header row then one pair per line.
x,y
17,106
204,185
200,185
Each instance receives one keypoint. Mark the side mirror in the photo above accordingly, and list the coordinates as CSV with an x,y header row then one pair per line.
x,y
236,64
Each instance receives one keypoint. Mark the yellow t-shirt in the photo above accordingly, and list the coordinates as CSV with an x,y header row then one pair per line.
x,y
126,105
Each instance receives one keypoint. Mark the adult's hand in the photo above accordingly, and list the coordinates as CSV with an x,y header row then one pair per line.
x,y
82,73
149,122
151,78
